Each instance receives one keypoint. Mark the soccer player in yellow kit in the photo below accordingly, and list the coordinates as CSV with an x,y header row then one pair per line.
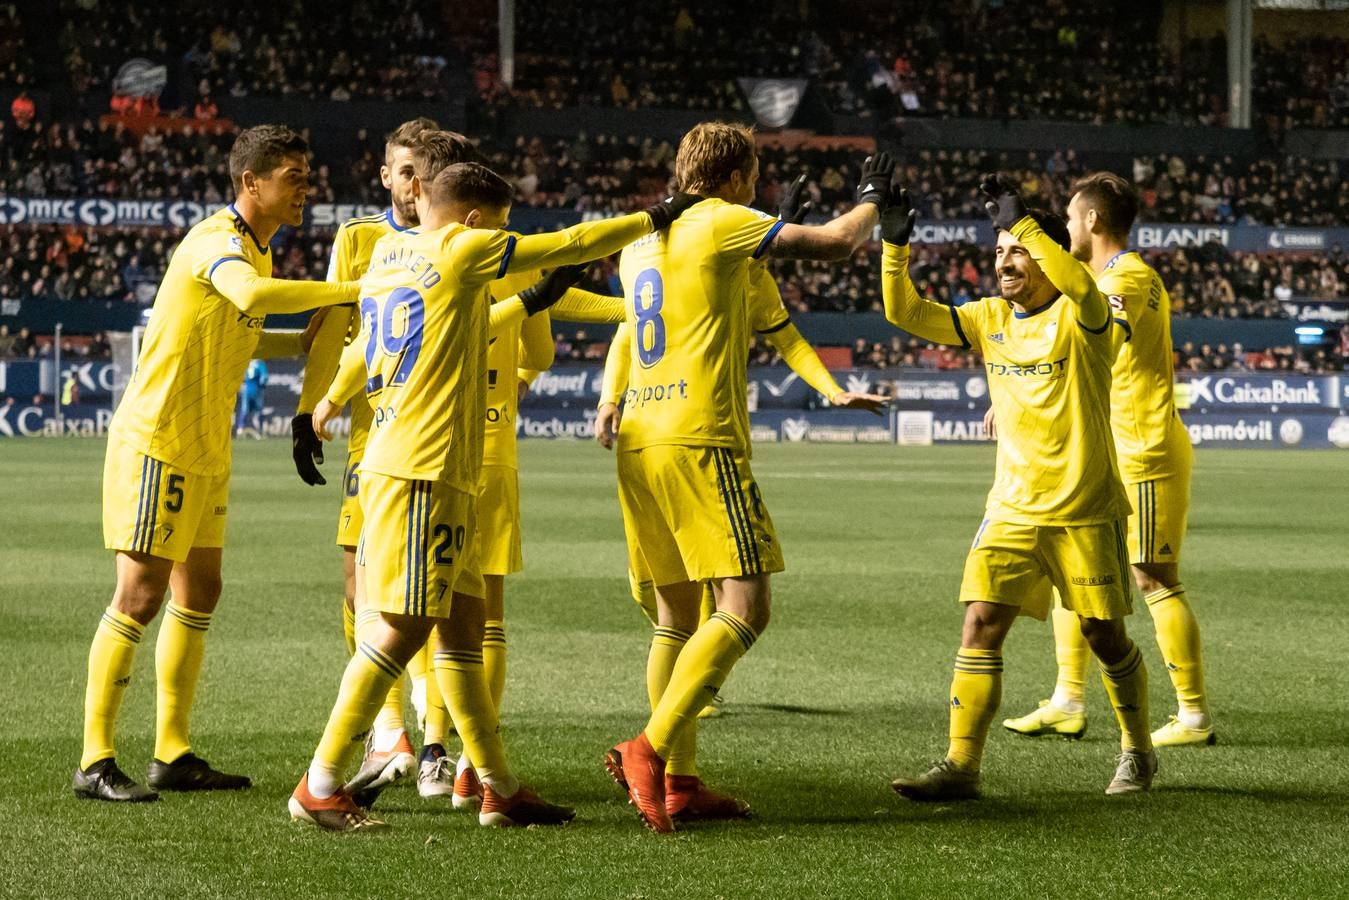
x,y
166,475
692,511
1155,460
1056,513
769,319
423,340
517,350
391,755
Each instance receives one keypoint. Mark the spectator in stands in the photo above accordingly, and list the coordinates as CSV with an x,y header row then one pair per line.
x,y
205,110
22,110
9,344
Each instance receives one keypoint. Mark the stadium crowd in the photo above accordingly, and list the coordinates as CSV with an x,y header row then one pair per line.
x,y
74,263
1100,62
392,50
603,173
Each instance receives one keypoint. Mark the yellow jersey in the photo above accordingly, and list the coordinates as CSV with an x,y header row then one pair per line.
x,y
1048,380
687,300
1150,438
352,248
424,331
179,405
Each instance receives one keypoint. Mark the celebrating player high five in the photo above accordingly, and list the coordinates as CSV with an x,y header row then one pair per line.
x,y
1155,460
166,476
424,345
1056,514
692,511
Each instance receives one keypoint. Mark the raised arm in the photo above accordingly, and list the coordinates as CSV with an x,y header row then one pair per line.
x,y
904,308
239,283
586,306
1070,277
839,238
589,240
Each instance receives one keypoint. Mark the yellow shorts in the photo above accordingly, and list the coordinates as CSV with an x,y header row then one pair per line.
x,y
418,546
154,507
1022,565
349,517
1157,526
694,513
499,520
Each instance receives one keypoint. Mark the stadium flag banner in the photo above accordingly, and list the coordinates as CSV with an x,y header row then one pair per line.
x,y
774,100
99,211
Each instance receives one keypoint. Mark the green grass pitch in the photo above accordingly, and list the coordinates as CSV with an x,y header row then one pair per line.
x,y
845,690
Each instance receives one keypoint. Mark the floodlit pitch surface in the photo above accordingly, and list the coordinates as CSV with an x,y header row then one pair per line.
x,y
846,690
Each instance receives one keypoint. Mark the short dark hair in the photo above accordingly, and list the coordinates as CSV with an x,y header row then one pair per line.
x,y
1113,198
471,184
434,150
261,149
405,134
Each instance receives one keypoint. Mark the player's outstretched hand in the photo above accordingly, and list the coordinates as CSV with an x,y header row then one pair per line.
x,y
544,293
306,448
606,425
872,403
665,212
791,210
1005,206
874,185
898,218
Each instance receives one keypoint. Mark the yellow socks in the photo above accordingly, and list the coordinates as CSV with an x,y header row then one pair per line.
x,y
976,691
110,657
702,666
494,659
437,716
464,686
349,627
1178,639
389,722
1072,652
178,652
666,645
1126,683
365,684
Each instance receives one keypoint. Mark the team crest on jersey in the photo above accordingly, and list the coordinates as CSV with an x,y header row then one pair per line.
x,y
996,337
236,243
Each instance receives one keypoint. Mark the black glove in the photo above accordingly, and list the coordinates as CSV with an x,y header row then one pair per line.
x,y
306,449
791,209
897,218
1005,206
543,294
665,212
874,186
